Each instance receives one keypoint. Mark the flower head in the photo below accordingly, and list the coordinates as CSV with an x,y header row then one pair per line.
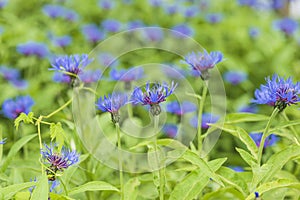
x,y
61,41
170,130
253,32
207,118
3,141
111,25
286,25
278,92
181,109
201,62
57,11
214,18
12,108
252,108
270,140
153,34
92,33
235,77
183,29
13,76
3,3
33,48
106,4
127,75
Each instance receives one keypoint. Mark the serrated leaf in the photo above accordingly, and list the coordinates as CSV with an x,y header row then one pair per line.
x,y
92,186
14,150
40,192
27,119
233,118
130,191
9,191
57,133
248,158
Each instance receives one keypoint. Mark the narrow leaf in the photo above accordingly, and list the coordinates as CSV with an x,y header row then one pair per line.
x,y
93,186
248,158
40,192
233,118
9,191
130,191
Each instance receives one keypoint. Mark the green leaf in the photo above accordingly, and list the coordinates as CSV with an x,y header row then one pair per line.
x,y
130,191
54,196
234,179
27,119
22,196
282,183
40,192
234,118
57,132
194,182
228,193
9,191
196,160
14,150
92,186
248,158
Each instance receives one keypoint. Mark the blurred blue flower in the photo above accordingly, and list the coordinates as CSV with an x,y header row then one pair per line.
x,y
89,76
207,118
248,108
180,109
201,62
111,25
12,108
153,34
170,130
53,185
254,32
61,41
214,18
191,11
155,3
59,160
135,24
92,33
107,60
3,3
1,30
183,29
53,11
171,9
3,141
112,102
278,4
286,25
270,140
278,92
174,72
71,65
235,77
154,95
237,168
127,75
71,15
13,76
106,4
250,3
33,48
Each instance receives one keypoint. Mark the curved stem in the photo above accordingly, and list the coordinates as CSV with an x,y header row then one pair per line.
x,y
59,109
200,111
265,135
38,122
120,161
64,186
291,127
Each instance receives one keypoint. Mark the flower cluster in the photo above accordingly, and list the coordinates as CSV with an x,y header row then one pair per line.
x,y
278,92
12,108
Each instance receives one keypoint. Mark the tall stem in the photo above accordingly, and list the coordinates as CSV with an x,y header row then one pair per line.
x,y
120,161
291,127
59,109
265,135
200,111
40,139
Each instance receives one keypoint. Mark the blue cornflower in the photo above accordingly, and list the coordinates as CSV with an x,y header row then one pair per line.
x,y
191,11
278,4
3,141
202,62
174,72
278,92
248,108
153,96
180,109
170,130
155,3
171,9
13,76
127,75
3,3
286,25
71,15
237,168
106,4
12,108
183,29
111,25
253,32
72,65
53,185
90,76
33,48
53,11
207,118
61,41
270,140
214,18
153,34
92,33
107,60
59,160
250,3
235,77
135,24
112,104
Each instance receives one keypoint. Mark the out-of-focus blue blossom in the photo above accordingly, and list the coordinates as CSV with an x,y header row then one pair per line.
x,y
1,30
53,185
92,33
171,9
32,187
214,18
202,62
61,41
278,92
250,3
135,24
33,48
278,4
180,109
248,108
155,3
71,65
3,3
12,108
237,168
270,140
71,15
154,95
207,118
191,11
235,77
3,141
286,25
254,32
112,102
53,11
174,72
90,76
59,160
111,25
183,29
106,4
153,34
170,130
107,60
61,78
256,195
127,75
13,76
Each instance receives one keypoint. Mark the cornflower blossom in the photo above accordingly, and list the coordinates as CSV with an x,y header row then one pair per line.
x,y
181,109
286,25
12,108
33,48
3,141
153,96
183,29
87,76
202,62
107,60
112,104
13,76
170,130
278,93
248,108
253,32
153,34
207,118
270,140
92,33
57,11
235,77
106,4
214,18
111,25
61,41
3,3
127,75
135,24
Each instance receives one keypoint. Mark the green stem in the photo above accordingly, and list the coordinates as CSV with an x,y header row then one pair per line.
x,y
40,139
1,146
64,186
120,161
200,111
291,127
265,135
59,109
